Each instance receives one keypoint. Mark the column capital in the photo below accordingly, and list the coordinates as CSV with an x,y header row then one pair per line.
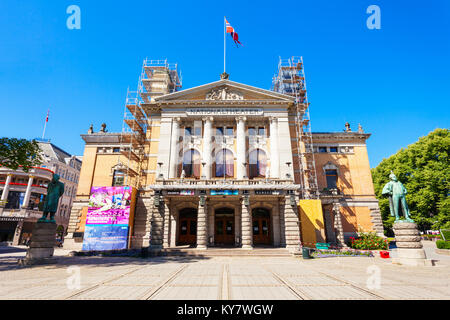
x,y
176,119
273,119
241,118
10,175
206,119
31,177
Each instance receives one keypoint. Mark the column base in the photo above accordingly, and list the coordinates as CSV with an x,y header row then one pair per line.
x,y
247,247
201,247
413,262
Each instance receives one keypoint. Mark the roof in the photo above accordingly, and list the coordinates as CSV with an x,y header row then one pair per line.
x,y
228,83
55,153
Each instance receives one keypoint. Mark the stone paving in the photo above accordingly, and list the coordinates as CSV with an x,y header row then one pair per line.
x,y
221,278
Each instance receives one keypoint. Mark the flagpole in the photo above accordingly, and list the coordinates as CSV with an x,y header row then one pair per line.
x,y
224,44
45,125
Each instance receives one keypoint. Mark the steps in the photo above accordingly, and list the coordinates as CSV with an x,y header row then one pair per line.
x,y
226,252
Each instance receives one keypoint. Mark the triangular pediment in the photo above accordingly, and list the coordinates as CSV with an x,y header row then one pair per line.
x,y
225,90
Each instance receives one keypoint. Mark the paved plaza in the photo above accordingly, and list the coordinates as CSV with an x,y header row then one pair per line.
x,y
220,278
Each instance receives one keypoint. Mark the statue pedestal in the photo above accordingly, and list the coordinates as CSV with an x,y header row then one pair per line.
x,y
409,246
42,245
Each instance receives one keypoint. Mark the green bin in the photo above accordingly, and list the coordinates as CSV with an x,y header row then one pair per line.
x,y
305,253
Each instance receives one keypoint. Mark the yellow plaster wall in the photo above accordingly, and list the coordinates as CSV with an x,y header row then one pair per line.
x,y
87,171
355,218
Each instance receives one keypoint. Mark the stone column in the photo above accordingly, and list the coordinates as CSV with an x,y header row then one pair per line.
x,y
292,225
28,193
207,147
17,233
173,166
166,235
409,245
173,228
339,230
274,152
247,232
280,205
6,188
202,234
276,224
157,225
241,150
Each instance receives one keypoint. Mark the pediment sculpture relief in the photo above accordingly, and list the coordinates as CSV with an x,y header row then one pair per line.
x,y
224,94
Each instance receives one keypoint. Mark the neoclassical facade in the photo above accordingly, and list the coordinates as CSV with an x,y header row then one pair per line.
x,y
217,166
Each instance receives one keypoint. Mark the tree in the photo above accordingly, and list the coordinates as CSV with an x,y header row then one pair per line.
x,y
15,153
423,168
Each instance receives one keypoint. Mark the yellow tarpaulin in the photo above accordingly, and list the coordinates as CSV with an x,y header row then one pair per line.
x,y
312,224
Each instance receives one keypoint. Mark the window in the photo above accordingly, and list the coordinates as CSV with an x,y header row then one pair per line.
x,y
116,150
219,131
322,149
187,131
261,131
331,175
257,164
229,131
118,178
224,163
251,131
191,164
333,149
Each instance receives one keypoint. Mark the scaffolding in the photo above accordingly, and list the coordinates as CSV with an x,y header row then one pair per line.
x,y
158,77
290,80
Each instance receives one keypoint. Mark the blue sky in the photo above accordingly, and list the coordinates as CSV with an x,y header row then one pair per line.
x,y
394,81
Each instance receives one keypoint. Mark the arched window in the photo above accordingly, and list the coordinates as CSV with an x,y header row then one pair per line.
x,y
191,164
257,164
224,163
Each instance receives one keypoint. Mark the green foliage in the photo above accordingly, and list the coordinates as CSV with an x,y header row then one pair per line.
x,y
423,168
15,153
441,244
369,241
335,253
445,234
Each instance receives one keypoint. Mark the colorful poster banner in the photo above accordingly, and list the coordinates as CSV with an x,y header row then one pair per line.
x,y
108,219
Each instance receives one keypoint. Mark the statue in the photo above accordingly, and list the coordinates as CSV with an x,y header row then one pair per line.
x,y
396,192
103,129
183,174
54,191
91,129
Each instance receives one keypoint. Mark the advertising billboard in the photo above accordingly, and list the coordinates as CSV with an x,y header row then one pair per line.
x,y
109,218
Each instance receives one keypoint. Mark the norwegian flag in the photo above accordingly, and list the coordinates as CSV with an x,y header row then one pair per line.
x,y
233,33
46,119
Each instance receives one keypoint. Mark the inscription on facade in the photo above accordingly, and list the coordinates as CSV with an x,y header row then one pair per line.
x,y
225,112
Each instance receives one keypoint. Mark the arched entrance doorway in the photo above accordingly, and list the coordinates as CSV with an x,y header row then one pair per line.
x,y
187,234
261,226
224,227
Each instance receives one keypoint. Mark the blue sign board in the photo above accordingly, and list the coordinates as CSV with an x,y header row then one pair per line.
x,y
99,237
224,192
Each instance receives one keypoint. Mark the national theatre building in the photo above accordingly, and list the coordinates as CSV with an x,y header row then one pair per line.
x,y
226,164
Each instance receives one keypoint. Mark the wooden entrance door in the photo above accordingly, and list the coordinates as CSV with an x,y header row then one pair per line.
x,y
224,227
187,232
261,227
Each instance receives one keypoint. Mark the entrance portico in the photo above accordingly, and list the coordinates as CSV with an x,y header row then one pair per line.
x,y
240,220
